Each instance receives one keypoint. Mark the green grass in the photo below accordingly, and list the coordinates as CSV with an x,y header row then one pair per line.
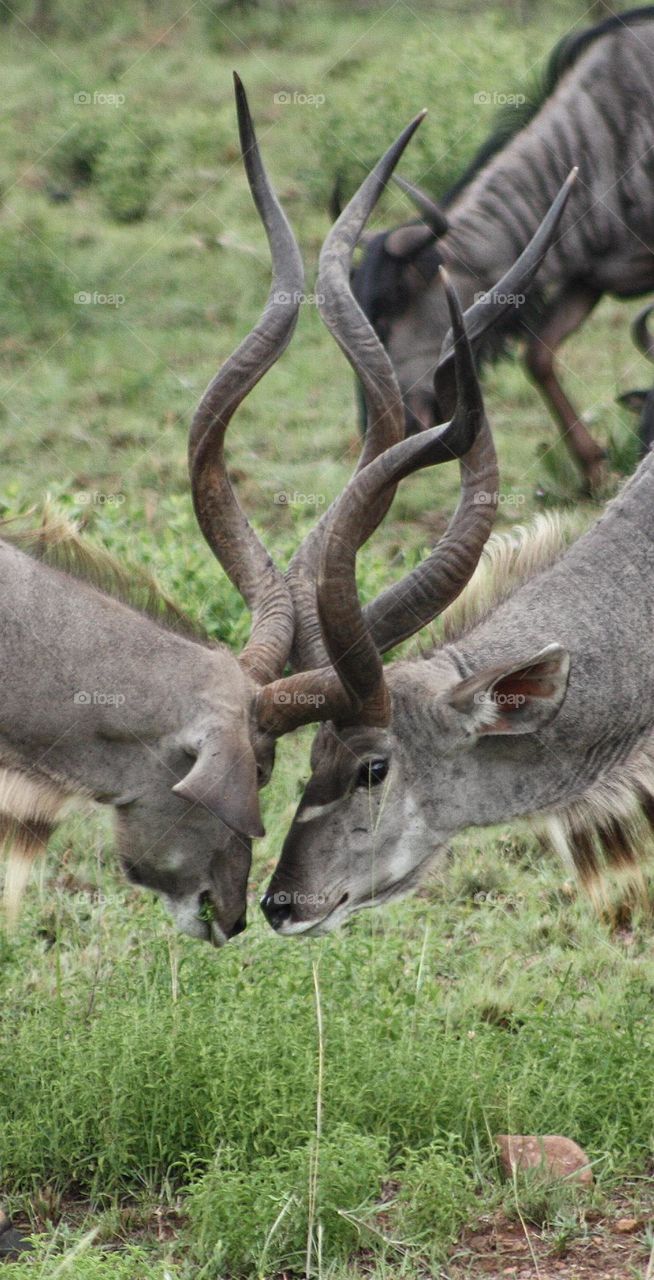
x,y
140,1073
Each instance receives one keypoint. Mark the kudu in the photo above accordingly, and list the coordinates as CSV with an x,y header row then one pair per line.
x,y
598,112
102,702
540,704
642,402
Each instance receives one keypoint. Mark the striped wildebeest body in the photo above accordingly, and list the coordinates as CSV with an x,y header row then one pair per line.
x,y
596,112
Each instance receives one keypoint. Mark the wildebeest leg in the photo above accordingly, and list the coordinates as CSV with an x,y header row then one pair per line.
x,y
647,424
567,312
12,1243
642,404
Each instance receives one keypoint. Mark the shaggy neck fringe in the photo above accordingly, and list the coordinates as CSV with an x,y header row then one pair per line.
x,y
609,829
57,542
30,807
508,560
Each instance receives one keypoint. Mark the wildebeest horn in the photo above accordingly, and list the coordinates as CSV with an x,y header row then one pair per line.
x,y
336,199
407,242
640,333
427,208
316,695
384,409
221,519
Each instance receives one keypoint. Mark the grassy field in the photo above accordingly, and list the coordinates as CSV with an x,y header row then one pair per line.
x,y
159,1101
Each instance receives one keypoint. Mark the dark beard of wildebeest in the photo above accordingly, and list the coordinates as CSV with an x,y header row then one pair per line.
x,y
596,111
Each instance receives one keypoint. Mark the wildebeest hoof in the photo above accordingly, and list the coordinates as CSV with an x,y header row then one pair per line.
x,y
12,1243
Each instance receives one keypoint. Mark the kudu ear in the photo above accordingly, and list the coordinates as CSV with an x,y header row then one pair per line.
x,y
224,778
519,698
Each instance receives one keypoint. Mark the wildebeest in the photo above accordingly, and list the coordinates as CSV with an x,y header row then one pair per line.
x,y
596,111
641,402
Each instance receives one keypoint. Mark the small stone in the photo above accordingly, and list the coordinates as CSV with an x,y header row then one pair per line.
x,y
625,1225
559,1157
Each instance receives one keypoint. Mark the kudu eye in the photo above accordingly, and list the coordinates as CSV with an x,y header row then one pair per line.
x,y
372,773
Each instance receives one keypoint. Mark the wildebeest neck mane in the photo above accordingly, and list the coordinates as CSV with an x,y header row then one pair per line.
x,y
510,120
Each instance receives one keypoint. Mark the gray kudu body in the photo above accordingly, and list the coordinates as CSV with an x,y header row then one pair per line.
x,y
600,116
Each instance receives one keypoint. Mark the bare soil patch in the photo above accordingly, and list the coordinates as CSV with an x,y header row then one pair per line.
x,y
615,1246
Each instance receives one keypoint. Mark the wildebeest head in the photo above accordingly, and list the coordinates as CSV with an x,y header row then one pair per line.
x,y
396,285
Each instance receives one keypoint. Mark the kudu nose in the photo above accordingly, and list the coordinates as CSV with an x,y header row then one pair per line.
x,y
240,925
277,908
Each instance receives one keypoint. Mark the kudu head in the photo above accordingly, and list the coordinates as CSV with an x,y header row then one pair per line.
x,y
359,836
232,753
175,839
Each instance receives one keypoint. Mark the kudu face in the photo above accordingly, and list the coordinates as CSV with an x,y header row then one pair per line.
x,y
194,863
356,837
173,836
374,817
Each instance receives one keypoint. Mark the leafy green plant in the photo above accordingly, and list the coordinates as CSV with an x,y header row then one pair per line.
x,y
436,1195
128,172
274,1196
78,141
36,291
